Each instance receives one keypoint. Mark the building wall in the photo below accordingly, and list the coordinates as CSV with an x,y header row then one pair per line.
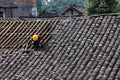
x,y
76,13
72,13
68,13
8,12
22,10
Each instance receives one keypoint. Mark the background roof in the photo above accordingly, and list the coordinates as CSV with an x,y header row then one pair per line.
x,y
7,4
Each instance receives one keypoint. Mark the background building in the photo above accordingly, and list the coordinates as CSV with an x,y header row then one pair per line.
x,y
73,11
6,8
16,8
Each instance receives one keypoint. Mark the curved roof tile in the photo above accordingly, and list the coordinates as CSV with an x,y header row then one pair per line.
x,y
81,49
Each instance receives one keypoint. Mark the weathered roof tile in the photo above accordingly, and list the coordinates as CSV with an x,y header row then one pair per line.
x,y
80,49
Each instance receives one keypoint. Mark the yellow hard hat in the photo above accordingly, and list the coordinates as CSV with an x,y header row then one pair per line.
x,y
35,37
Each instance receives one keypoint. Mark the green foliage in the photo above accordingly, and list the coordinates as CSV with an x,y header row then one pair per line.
x,y
56,6
101,6
118,6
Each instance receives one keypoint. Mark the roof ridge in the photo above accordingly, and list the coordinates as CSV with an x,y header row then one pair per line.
x,y
105,14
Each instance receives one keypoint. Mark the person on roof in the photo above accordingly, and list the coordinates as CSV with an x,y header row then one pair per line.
x,y
36,41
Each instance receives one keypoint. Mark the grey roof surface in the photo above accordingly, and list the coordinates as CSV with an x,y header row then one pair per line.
x,y
7,4
87,49
16,34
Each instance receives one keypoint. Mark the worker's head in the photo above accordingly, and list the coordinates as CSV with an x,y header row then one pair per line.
x,y
35,37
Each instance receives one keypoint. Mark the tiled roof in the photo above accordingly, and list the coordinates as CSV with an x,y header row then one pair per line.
x,y
10,19
87,49
17,34
7,4
79,9
49,18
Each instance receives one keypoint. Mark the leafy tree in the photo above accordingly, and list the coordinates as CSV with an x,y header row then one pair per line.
x,y
118,6
52,7
101,6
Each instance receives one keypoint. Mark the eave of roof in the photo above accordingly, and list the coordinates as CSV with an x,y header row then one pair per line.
x,y
7,4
